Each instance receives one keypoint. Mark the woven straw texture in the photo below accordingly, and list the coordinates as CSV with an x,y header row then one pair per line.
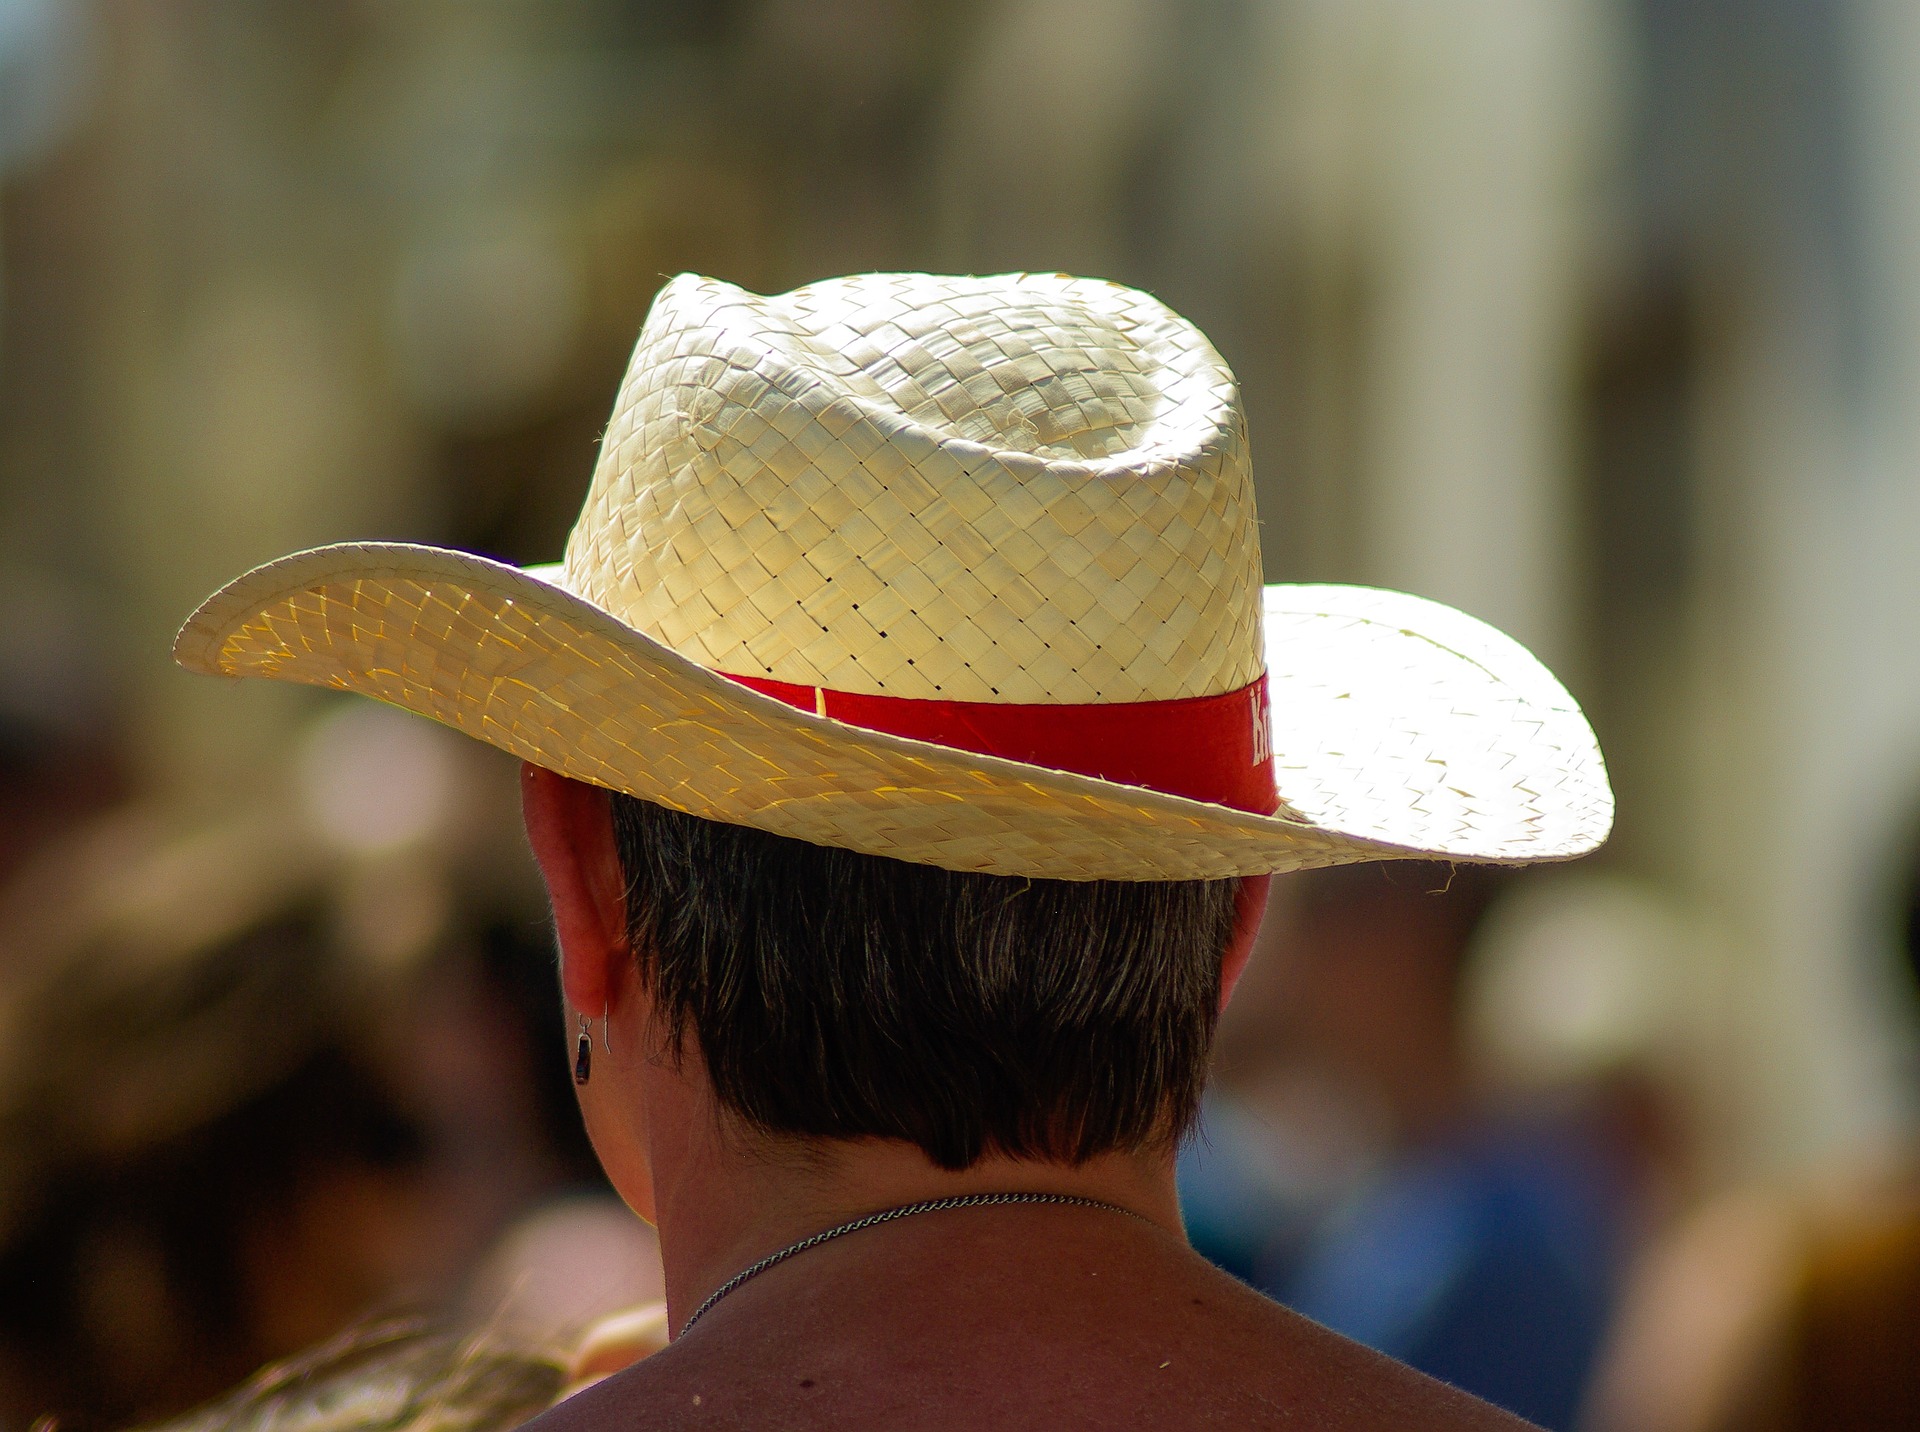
x,y
1022,489
1030,488
1387,742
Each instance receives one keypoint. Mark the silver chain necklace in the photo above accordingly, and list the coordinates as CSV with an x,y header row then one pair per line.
x,y
888,1215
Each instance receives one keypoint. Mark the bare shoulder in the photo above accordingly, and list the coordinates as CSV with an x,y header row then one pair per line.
x,y
1197,1351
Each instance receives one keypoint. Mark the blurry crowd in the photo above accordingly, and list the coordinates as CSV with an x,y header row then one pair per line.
x,y
1589,317
270,1073
1454,1118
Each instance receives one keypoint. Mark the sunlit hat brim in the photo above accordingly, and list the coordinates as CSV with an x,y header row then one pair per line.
x,y
1401,728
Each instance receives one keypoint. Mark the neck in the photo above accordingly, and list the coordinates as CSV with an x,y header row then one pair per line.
x,y
733,1197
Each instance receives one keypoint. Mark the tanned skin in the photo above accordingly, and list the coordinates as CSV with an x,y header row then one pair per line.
x,y
980,1319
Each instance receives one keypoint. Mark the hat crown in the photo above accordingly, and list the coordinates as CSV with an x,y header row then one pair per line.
x,y
1026,488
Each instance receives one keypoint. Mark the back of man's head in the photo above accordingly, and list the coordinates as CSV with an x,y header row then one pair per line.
x,y
838,995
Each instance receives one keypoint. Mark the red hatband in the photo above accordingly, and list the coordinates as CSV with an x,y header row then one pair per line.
x,y
1206,748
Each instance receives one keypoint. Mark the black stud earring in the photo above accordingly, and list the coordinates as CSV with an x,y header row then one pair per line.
x,y
583,1055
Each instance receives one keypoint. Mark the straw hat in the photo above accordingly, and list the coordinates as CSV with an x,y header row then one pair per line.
x,y
962,571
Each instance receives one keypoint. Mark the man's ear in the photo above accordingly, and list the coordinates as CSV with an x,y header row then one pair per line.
x,y
570,826
1249,905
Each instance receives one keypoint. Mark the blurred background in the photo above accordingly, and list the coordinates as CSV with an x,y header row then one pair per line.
x,y
1599,319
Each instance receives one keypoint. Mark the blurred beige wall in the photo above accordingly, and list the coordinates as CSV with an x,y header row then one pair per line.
x,y
1459,154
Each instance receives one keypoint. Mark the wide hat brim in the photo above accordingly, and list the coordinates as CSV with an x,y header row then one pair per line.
x,y
1402,729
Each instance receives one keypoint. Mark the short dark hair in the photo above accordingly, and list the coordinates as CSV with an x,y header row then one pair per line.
x,y
839,995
